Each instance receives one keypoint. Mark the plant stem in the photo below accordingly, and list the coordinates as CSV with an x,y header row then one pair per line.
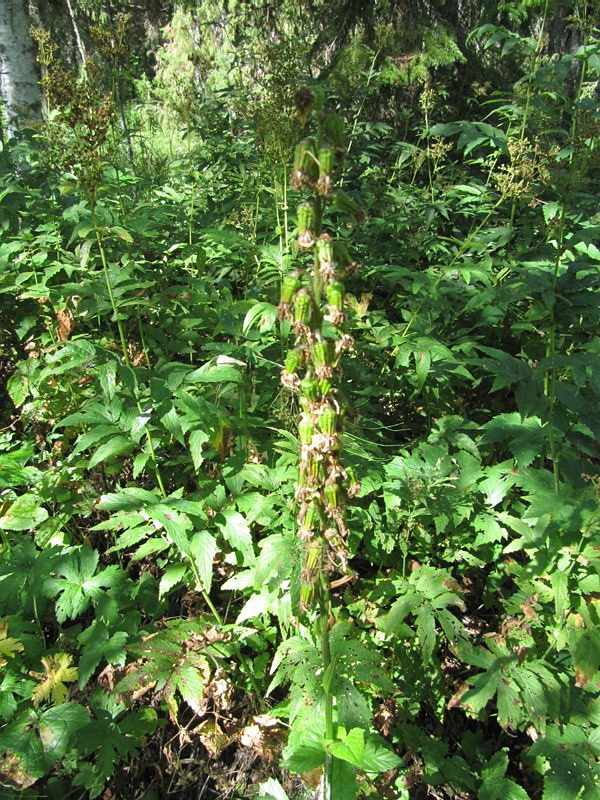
x,y
323,627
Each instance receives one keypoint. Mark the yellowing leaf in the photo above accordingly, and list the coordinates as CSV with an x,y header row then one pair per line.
x,y
8,646
52,681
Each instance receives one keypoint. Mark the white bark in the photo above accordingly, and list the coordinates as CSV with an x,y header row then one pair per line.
x,y
19,88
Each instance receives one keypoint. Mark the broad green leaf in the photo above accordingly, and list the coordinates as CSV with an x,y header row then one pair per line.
x,y
23,514
59,726
114,447
348,746
378,756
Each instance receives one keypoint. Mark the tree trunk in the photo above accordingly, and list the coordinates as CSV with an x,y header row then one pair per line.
x,y
19,88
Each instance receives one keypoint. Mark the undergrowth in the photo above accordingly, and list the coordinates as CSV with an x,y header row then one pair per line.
x,y
165,629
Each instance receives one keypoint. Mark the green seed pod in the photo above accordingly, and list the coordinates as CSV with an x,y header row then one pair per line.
x,y
334,129
310,162
306,216
289,286
307,590
328,419
316,470
303,306
323,352
293,360
325,387
313,517
305,429
326,158
324,250
300,152
335,295
332,494
309,387
305,169
313,556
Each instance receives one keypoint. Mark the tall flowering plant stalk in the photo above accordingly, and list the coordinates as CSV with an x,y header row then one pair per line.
x,y
312,300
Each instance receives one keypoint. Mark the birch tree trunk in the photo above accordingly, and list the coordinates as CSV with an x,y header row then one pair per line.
x,y
19,88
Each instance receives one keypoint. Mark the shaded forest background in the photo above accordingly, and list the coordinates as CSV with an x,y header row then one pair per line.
x,y
153,641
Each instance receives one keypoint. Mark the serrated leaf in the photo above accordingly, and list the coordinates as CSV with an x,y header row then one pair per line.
x,y
378,756
8,645
197,440
203,549
344,785
57,673
237,533
114,447
348,746
17,387
173,574
98,644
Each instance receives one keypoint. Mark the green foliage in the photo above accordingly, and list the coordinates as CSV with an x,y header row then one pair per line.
x,y
153,634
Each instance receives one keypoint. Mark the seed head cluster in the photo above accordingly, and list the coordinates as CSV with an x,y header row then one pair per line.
x,y
309,297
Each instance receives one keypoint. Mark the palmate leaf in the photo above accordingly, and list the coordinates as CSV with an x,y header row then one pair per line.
x,y
525,436
568,758
426,595
527,692
98,644
52,682
495,785
79,584
172,663
8,645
